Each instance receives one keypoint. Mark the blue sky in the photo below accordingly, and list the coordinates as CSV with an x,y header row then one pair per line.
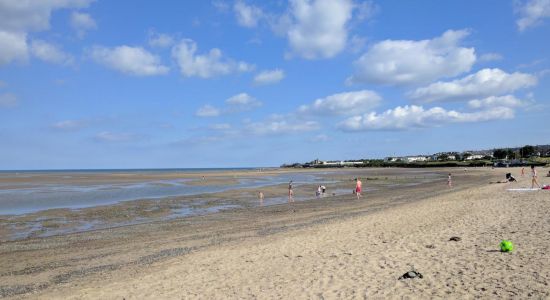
x,y
138,84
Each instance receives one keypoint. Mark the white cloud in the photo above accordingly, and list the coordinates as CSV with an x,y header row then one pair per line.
x,y
82,22
238,103
207,65
69,125
496,101
280,125
50,53
343,103
30,15
13,47
247,15
269,77
242,102
207,111
111,137
317,28
490,57
8,100
486,82
398,62
130,60
409,117
532,13
160,40
18,18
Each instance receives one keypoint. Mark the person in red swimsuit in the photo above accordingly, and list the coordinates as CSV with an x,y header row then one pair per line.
x,y
358,185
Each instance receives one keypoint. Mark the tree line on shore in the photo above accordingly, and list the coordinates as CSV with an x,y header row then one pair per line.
x,y
526,155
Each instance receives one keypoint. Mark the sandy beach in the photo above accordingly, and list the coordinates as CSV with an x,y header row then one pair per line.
x,y
332,248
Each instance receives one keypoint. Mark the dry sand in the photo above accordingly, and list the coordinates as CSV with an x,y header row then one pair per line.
x,y
348,251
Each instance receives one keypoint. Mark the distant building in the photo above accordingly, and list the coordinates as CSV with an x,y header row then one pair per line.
x,y
410,159
474,157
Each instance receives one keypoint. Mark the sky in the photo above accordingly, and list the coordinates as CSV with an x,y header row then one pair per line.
x,y
201,84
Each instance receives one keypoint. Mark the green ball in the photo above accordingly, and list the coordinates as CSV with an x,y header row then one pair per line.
x,y
506,246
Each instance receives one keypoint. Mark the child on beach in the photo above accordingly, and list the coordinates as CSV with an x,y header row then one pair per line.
x,y
522,171
450,181
318,192
358,185
261,196
290,192
534,177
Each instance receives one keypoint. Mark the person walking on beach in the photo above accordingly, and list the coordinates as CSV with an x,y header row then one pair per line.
x,y
290,192
534,177
450,181
261,196
358,185
318,192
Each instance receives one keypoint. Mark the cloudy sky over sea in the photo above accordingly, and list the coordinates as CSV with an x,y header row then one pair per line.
x,y
140,84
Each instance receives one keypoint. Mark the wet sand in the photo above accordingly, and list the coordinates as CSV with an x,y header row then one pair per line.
x,y
334,247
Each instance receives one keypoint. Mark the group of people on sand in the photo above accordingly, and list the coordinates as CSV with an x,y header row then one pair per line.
x,y
321,191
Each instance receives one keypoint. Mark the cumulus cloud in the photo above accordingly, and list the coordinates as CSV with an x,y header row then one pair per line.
x,y
269,76
160,40
206,65
317,29
486,82
247,15
130,60
50,53
343,103
409,117
496,101
13,47
81,23
242,102
403,62
18,18
532,13
28,15
234,104
8,100
208,111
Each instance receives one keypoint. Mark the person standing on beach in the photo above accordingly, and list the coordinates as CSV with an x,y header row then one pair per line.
x,y
522,171
450,181
358,185
290,192
261,196
534,177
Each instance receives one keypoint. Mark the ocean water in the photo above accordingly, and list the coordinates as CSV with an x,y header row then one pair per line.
x,y
23,198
